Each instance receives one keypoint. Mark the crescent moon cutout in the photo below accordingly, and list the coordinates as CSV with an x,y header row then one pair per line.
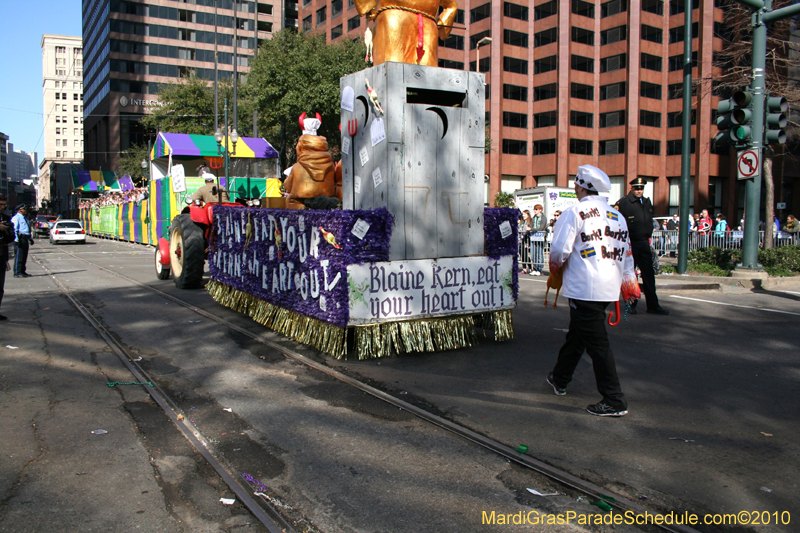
x,y
442,115
363,100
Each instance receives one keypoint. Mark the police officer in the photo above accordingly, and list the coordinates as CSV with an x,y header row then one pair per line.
x,y
638,213
206,192
590,254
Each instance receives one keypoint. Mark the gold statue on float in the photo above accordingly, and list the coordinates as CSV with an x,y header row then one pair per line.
x,y
313,174
407,31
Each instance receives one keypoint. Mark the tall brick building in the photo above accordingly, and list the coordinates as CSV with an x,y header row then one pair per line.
x,y
577,82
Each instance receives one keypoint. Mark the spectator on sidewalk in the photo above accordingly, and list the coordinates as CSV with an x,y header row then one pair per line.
x,y
720,230
539,225
591,280
22,240
6,237
526,226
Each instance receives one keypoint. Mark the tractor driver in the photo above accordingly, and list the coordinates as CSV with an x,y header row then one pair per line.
x,y
206,192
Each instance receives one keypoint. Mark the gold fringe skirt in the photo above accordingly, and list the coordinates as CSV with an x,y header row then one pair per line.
x,y
370,341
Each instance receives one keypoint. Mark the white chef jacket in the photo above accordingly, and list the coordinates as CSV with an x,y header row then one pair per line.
x,y
592,238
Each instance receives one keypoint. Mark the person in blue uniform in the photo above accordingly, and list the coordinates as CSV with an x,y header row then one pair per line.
x,y
638,213
22,240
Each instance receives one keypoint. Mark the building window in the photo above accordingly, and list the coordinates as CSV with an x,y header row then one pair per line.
x,y
580,146
307,24
676,7
544,147
515,92
480,12
515,38
676,62
486,65
515,65
582,36
58,131
583,64
612,8
581,119
336,8
613,35
515,11
58,96
675,91
612,63
446,63
322,15
545,120
75,108
649,147
675,147
61,49
545,37
612,147
515,147
336,32
455,42
58,154
545,10
545,92
654,35
651,62
676,34
475,39
585,9
653,6
546,64
649,118
515,120
650,90
612,90
675,118
581,91
355,22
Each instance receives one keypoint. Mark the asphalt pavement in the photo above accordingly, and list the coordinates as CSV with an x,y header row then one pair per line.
x,y
712,390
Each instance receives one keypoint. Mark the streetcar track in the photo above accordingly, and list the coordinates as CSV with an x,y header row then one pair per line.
x,y
560,476
264,512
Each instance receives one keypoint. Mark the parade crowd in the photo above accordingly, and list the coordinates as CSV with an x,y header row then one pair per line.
x,y
115,198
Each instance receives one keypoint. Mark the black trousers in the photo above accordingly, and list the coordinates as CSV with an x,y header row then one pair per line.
x,y
587,332
20,256
643,259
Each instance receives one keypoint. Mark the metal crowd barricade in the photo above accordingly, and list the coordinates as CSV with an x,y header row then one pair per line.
x,y
534,251
666,242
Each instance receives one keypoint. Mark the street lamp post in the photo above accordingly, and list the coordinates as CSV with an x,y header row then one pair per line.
x,y
220,137
482,42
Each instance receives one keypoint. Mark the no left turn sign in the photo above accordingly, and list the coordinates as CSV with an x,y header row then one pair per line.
x,y
748,164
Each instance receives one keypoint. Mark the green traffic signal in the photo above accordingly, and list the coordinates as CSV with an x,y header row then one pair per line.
x,y
733,118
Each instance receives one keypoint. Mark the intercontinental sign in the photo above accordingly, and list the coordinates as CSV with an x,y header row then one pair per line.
x,y
124,101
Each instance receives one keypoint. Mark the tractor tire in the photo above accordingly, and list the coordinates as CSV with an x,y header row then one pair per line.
x,y
162,270
186,252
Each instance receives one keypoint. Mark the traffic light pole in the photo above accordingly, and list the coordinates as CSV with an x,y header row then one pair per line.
x,y
762,15
686,161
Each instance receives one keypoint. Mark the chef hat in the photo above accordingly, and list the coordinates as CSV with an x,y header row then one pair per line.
x,y
310,125
592,179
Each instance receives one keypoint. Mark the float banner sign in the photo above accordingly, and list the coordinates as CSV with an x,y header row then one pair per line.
x,y
425,288
297,260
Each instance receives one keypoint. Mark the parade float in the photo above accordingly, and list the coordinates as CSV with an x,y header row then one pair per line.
x,y
414,261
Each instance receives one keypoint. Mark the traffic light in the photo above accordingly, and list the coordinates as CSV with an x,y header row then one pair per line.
x,y
733,119
776,120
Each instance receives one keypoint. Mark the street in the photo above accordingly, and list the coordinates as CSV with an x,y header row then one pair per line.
x,y
712,390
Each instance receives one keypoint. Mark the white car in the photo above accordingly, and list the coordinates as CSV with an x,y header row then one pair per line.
x,y
67,231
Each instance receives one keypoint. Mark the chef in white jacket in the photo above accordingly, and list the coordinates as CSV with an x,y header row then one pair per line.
x,y
591,256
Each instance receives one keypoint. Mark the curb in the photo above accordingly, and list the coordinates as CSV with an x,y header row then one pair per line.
x,y
689,286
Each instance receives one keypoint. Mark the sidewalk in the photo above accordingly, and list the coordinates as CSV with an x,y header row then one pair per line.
x,y
717,283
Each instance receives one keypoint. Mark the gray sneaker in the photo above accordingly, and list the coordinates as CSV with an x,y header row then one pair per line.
x,y
603,409
560,391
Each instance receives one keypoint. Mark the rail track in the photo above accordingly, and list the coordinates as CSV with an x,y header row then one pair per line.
x,y
259,503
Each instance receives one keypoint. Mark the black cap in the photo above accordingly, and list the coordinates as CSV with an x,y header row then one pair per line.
x,y
639,181
20,207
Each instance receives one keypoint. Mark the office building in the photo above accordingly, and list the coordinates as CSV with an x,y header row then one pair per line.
x,y
572,83
21,165
3,164
132,47
62,97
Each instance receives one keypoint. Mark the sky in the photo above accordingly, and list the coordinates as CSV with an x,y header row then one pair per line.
x,y
24,23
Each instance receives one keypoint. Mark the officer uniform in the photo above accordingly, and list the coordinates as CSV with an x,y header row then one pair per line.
x,y
638,213
205,192
22,240
590,255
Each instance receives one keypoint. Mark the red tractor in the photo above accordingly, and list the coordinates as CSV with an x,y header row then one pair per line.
x,y
184,254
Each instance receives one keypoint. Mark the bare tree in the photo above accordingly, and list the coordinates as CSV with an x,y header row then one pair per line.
x,y
734,71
